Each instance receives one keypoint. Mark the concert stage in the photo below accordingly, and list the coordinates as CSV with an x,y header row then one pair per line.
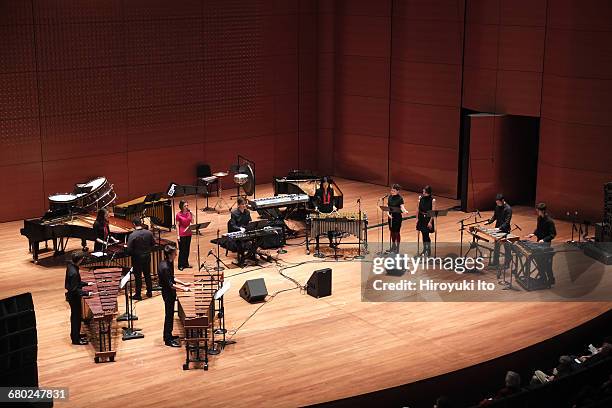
x,y
294,350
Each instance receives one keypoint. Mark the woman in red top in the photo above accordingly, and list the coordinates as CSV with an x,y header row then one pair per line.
x,y
183,221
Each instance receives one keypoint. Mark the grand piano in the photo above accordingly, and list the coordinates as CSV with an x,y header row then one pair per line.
x,y
59,226
71,215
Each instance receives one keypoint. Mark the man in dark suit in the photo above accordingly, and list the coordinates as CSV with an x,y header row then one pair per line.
x,y
502,216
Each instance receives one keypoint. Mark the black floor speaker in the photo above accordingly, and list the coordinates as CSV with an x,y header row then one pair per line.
x,y
320,283
254,290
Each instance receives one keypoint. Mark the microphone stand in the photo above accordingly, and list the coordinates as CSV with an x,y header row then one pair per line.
x,y
382,226
218,268
359,255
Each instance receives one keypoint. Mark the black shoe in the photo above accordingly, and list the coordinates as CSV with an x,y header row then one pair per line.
x,y
149,294
188,266
172,343
136,297
81,342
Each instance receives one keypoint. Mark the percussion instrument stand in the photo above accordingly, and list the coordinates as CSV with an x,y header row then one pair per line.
x,y
359,255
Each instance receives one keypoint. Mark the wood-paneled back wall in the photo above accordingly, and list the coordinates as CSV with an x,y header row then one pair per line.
x,y
142,91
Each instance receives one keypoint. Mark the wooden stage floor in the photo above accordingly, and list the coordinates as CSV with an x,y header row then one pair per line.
x,y
296,350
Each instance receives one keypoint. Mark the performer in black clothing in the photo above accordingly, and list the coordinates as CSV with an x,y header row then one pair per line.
x,y
545,232
239,219
502,216
74,291
324,203
395,202
102,230
169,285
425,224
139,246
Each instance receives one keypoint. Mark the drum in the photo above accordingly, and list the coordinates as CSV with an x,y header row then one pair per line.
x,y
240,179
63,201
100,195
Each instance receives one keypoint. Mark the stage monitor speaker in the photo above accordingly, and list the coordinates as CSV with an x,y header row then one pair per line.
x,y
254,290
320,283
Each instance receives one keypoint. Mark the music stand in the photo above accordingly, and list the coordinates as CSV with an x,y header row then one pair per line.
x,y
385,209
129,332
434,214
222,330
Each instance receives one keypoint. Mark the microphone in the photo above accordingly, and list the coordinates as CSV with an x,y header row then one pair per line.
x,y
359,200
478,212
517,227
209,253
385,196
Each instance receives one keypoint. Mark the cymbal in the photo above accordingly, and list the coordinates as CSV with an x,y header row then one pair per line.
x,y
220,174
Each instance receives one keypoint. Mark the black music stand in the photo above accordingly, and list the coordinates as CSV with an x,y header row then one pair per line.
x,y
129,332
434,214
383,210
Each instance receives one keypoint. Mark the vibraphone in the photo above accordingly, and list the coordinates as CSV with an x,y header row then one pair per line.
x,y
480,233
530,263
343,222
100,308
159,211
196,309
117,256
491,234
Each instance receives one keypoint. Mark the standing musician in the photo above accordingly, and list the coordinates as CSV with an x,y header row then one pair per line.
x,y
545,232
425,224
74,292
169,285
324,203
101,228
396,209
502,217
183,234
139,246
239,219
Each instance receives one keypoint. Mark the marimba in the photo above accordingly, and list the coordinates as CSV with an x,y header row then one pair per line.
x,y
196,310
343,222
101,307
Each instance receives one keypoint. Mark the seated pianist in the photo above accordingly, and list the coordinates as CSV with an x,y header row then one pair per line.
x,y
239,220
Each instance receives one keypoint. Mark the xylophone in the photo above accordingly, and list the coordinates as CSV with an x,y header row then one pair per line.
x,y
343,222
196,310
100,308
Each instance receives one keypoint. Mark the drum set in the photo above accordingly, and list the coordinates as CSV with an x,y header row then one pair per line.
x,y
86,197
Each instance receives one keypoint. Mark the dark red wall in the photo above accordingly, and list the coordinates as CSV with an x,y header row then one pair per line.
x,y
504,54
141,91
575,157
